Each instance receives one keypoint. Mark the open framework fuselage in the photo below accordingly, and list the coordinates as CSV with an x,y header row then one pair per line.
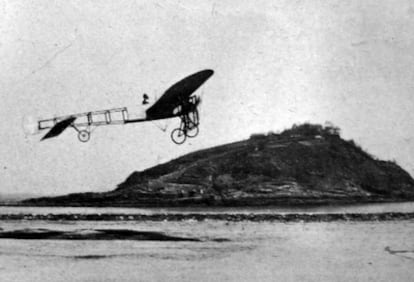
x,y
98,118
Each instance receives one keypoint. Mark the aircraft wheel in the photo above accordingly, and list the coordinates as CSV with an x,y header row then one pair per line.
x,y
193,132
178,136
84,136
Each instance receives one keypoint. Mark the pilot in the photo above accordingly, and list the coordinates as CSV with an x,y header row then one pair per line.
x,y
145,99
186,105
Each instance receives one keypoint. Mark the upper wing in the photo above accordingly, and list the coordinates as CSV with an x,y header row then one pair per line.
x,y
59,127
180,91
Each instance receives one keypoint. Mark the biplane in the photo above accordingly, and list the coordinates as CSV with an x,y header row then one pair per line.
x,y
177,101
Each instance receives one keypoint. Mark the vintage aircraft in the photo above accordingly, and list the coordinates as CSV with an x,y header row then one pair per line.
x,y
177,101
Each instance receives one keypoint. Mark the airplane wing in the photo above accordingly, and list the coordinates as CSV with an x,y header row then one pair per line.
x,y
59,127
173,96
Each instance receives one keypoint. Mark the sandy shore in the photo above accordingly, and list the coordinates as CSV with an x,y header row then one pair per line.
x,y
254,251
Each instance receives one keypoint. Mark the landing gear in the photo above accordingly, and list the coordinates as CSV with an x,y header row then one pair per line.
x,y
190,124
84,135
178,136
192,132
188,128
193,118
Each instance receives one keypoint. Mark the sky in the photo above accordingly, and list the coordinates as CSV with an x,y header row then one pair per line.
x,y
276,63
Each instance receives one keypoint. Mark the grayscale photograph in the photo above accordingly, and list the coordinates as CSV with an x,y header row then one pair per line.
x,y
206,140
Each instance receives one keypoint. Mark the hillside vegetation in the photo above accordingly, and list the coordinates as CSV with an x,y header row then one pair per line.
x,y
307,164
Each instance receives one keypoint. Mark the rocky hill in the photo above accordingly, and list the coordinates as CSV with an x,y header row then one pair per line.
x,y
307,164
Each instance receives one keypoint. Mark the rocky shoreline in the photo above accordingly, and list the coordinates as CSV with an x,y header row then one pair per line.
x,y
251,201
329,217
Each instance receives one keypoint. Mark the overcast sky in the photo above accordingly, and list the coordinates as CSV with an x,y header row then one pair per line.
x,y
276,63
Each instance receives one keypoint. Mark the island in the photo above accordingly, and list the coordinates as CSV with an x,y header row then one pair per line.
x,y
308,164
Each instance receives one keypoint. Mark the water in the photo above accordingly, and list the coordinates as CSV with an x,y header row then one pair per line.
x,y
359,208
